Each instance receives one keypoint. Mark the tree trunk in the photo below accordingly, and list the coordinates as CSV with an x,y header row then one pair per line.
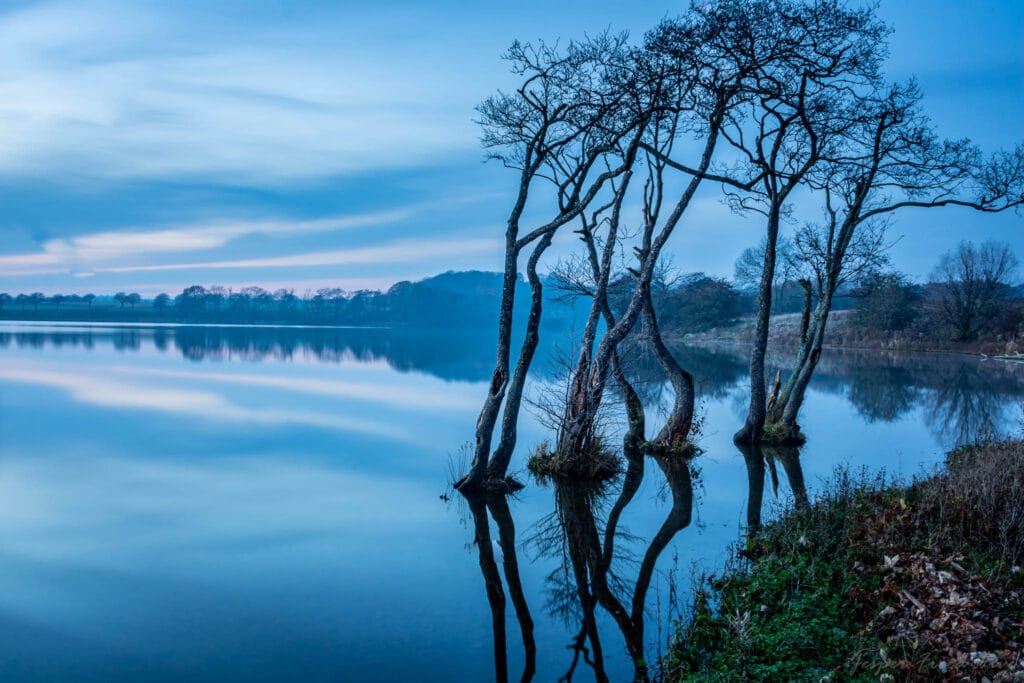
x,y
805,313
498,467
676,431
499,379
790,401
756,413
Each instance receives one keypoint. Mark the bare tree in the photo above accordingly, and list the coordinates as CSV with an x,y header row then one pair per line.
x,y
565,118
799,108
973,283
698,77
891,160
748,265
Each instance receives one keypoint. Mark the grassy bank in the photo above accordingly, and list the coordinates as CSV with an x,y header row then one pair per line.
x,y
875,582
842,333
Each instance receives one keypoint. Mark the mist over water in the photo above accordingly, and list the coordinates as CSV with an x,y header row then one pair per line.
x,y
264,504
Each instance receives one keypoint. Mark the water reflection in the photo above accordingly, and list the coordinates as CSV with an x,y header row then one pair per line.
x,y
597,564
479,505
461,356
236,467
764,461
961,397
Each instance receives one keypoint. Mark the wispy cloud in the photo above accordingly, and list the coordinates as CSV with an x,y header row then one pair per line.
x,y
116,392
404,251
84,253
108,90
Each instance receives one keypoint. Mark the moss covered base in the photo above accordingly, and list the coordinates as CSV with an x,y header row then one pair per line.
x,y
661,450
599,464
778,434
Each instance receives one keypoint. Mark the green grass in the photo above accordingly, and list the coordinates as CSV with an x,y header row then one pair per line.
x,y
802,599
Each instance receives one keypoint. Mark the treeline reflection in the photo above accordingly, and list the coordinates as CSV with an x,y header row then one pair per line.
x,y
961,397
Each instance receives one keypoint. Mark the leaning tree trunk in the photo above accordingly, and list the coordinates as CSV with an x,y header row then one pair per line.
x,y
756,413
499,379
498,467
676,432
801,379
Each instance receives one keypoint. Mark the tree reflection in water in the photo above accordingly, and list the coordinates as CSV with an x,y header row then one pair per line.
x,y
764,460
479,505
592,569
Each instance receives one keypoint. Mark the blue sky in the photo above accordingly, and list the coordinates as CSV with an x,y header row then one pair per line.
x,y
150,146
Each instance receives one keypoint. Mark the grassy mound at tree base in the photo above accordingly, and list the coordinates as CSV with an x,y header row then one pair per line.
x,y
875,582
598,464
777,434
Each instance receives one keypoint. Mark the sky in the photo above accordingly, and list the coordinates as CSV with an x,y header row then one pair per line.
x,y
148,146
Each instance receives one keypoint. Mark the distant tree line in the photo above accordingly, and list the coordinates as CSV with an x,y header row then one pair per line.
x,y
971,294
450,300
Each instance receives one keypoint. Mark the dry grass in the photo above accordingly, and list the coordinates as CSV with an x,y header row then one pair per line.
x,y
599,463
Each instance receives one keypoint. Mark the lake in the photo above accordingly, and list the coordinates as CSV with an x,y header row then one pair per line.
x,y
268,504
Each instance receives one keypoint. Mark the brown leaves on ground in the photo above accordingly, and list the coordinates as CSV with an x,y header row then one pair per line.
x,y
933,618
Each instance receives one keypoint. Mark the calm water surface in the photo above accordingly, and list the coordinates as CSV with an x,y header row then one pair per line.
x,y
211,504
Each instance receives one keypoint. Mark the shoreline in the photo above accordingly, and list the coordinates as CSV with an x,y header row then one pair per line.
x,y
876,580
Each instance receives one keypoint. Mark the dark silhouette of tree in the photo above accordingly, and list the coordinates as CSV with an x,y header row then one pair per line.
x,y
36,298
479,505
192,301
973,282
88,299
886,301
161,302
5,299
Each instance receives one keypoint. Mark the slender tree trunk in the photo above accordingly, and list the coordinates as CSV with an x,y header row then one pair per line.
x,y
756,413
676,432
502,456
802,378
499,379
805,314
